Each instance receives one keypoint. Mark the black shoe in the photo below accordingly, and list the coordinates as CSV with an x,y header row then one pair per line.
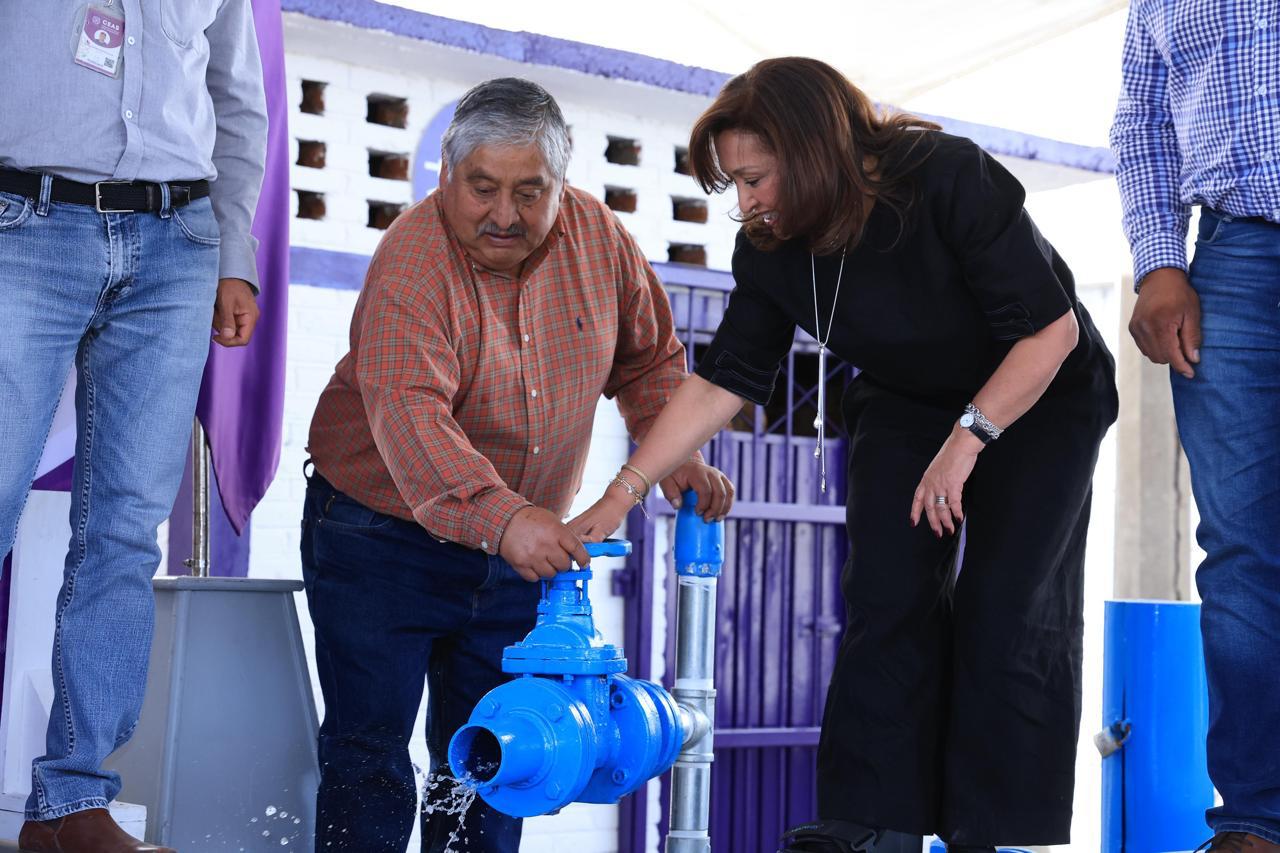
x,y
829,836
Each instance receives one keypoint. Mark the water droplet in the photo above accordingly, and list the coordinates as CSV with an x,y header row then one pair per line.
x,y
271,810
451,797
284,841
284,815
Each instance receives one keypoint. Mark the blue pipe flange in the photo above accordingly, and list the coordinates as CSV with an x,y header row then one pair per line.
x,y
645,735
529,747
672,729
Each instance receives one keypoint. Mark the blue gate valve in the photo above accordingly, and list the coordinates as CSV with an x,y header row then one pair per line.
x,y
570,727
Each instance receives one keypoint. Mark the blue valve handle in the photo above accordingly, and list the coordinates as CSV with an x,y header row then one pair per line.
x,y
608,548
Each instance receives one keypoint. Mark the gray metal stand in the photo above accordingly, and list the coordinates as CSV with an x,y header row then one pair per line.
x,y
224,756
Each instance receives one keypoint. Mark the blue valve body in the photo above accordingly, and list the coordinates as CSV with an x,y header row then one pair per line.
x,y
570,726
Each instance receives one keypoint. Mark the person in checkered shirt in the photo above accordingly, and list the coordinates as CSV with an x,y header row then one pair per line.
x,y
449,445
1199,124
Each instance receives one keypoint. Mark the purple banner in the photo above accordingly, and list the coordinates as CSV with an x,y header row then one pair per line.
x,y
242,397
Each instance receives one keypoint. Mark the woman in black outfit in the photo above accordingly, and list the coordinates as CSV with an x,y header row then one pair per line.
x,y
984,392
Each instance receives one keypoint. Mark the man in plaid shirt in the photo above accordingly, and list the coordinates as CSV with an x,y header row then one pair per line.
x,y
1199,123
449,445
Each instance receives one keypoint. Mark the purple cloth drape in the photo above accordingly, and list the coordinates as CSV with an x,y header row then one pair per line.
x,y
242,396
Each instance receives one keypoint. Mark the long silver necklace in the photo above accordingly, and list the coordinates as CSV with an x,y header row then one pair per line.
x,y
819,422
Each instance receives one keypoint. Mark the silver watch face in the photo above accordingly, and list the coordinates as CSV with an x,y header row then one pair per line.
x,y
966,420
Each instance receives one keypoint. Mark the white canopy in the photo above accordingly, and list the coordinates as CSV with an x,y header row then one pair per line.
x,y
1044,67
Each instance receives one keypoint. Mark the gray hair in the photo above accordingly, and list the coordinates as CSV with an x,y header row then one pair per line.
x,y
508,111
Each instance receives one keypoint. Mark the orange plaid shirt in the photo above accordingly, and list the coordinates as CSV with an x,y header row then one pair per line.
x,y
468,395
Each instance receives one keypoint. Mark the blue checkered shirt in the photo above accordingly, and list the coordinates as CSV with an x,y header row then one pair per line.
x,y
1198,120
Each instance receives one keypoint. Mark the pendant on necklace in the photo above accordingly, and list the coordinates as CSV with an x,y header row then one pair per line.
x,y
822,387
819,421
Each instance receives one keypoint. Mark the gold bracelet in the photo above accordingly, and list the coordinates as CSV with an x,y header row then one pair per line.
x,y
648,484
633,491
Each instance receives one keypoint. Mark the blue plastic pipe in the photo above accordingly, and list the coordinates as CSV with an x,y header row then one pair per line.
x,y
1155,709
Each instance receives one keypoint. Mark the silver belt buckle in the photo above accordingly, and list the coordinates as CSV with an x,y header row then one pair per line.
x,y
97,197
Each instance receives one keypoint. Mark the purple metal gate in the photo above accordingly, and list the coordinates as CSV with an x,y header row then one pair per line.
x,y
779,608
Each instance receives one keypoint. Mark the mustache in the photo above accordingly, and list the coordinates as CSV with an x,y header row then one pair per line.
x,y
514,231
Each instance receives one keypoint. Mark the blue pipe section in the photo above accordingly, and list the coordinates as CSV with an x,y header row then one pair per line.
x,y
699,547
1155,707
570,726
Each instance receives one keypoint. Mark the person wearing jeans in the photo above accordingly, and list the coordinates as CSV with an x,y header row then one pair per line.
x,y
1198,123
352,557
128,178
449,445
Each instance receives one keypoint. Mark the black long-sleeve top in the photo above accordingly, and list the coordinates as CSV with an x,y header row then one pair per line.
x,y
929,304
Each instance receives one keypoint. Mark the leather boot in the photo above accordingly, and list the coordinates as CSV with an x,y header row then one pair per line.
x,y
1240,842
89,831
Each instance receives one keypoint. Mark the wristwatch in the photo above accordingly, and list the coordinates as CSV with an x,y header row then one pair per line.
x,y
975,422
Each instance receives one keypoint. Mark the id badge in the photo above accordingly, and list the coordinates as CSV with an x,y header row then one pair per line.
x,y
101,40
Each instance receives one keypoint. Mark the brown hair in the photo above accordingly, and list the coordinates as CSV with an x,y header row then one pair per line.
x,y
822,129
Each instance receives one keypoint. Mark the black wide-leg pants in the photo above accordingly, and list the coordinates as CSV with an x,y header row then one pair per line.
x,y
954,706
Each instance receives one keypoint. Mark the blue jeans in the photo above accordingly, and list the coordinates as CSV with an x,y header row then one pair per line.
x,y
393,606
1229,423
128,299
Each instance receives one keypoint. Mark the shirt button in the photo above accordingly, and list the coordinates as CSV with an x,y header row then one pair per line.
x,y
1262,23
1261,90
526,339
533,393
128,113
484,544
130,40
536,450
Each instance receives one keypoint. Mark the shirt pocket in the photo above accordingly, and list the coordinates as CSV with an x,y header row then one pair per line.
x,y
183,20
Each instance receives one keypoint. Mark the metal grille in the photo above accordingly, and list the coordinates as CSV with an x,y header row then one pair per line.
x,y
779,608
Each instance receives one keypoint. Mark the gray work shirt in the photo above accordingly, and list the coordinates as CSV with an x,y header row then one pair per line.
x,y
186,104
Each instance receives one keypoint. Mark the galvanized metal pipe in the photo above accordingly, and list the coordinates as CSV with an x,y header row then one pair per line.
x,y
198,562
695,693
699,553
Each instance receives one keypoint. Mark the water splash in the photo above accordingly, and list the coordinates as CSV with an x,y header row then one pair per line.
x,y
286,834
446,795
